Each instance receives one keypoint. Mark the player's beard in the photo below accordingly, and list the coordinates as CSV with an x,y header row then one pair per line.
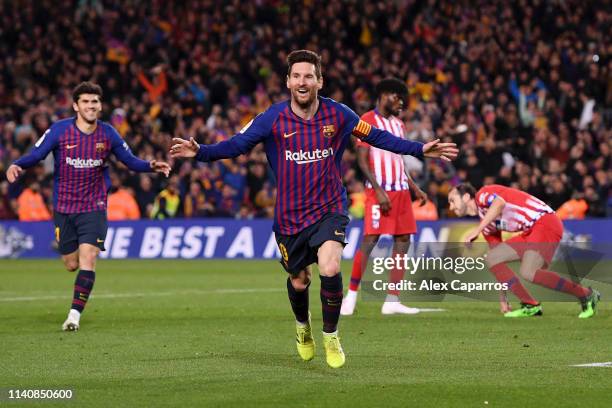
x,y
394,108
308,102
462,210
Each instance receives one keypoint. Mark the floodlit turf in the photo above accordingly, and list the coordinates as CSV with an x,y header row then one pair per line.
x,y
220,333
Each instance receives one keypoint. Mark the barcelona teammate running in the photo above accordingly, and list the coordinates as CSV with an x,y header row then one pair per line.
x,y
304,139
388,207
81,148
507,209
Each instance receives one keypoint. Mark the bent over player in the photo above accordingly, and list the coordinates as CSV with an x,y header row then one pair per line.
x,y
388,207
304,139
81,147
507,209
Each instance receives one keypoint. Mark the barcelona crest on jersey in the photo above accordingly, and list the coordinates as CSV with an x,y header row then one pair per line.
x,y
329,130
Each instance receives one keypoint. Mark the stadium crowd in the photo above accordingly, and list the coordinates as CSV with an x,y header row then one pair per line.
x,y
525,89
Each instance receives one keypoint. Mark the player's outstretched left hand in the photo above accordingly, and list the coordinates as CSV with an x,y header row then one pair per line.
x,y
444,151
184,148
160,167
13,173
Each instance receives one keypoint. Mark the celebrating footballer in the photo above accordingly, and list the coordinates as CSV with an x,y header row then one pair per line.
x,y
304,139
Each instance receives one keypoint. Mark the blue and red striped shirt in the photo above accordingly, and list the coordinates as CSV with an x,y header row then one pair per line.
x,y
81,179
305,157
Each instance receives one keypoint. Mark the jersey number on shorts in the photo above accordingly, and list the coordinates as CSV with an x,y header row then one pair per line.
x,y
284,253
375,216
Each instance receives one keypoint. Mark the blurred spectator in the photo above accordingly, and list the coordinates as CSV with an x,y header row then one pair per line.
x,y
357,197
255,179
156,88
121,202
595,203
145,195
7,211
195,204
557,194
244,213
427,212
31,205
229,204
573,209
168,201
265,200
529,81
122,205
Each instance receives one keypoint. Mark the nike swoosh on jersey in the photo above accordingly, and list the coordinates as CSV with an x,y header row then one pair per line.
x,y
68,147
288,135
338,233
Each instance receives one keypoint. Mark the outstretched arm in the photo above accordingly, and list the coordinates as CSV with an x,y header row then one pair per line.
x,y
46,143
122,151
233,147
254,132
388,141
227,149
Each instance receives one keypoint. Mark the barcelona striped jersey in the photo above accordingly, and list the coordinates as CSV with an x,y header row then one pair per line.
x,y
81,179
305,157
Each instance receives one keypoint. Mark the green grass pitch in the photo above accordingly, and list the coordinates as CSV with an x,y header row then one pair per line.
x,y
220,333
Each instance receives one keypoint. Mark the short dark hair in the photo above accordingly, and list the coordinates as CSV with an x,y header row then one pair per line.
x,y
86,88
465,188
304,56
392,85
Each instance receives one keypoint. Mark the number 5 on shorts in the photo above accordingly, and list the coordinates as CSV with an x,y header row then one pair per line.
x,y
376,212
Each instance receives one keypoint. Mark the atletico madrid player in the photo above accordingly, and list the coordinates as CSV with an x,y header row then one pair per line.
x,y
304,139
81,148
388,207
507,209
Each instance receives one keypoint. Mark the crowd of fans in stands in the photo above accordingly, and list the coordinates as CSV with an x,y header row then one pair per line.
x,y
525,89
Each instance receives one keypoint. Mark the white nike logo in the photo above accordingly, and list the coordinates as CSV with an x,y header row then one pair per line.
x,y
287,135
68,147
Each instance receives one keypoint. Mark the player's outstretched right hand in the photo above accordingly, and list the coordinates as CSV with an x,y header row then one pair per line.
x,y
184,148
160,167
13,173
444,151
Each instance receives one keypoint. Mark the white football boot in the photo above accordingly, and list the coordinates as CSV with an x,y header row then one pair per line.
x,y
392,305
72,322
348,303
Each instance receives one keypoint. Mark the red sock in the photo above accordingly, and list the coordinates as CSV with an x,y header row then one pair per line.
x,y
504,274
553,281
396,275
357,273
